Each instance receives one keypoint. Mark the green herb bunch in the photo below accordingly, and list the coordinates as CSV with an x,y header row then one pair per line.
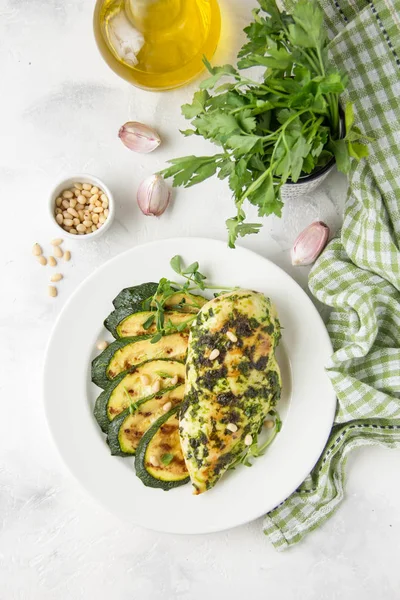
x,y
281,128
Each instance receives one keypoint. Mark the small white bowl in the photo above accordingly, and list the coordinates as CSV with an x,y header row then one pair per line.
x,y
68,183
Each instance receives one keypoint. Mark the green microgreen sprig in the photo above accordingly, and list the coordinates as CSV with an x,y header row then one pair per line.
x,y
195,281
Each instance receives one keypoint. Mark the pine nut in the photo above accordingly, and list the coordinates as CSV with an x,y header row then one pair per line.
x,y
36,250
81,199
77,192
73,202
156,386
81,228
76,221
66,214
56,277
154,461
81,215
144,379
66,228
106,212
231,336
42,260
95,218
72,212
104,204
58,252
174,380
52,261
94,189
86,194
94,228
214,354
58,202
79,206
94,198
87,223
73,231
78,186
269,424
56,242
96,202
102,219
67,255
67,194
52,291
101,345
98,209
65,204
167,406
59,219
99,225
68,222
86,186
232,427
103,198
58,211
248,440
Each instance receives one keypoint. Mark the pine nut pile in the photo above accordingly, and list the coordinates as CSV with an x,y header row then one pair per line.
x,y
52,262
81,209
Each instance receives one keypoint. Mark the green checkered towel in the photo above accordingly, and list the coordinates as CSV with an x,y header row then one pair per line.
x,y
359,274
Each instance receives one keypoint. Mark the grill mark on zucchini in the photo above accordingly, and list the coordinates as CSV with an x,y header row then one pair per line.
x,y
159,476
101,373
126,430
149,368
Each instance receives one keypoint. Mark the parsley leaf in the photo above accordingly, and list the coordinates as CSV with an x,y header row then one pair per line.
x,y
283,126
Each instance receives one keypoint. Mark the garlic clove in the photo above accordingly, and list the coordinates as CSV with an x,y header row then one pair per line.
x,y
310,243
139,137
153,196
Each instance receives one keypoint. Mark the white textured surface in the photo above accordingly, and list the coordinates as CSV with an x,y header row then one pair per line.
x,y
61,110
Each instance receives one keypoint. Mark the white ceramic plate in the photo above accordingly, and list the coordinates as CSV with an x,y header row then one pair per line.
x,y
307,406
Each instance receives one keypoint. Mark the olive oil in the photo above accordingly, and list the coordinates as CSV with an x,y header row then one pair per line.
x,y
157,44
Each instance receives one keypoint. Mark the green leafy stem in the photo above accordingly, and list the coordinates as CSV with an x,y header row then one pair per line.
x,y
278,129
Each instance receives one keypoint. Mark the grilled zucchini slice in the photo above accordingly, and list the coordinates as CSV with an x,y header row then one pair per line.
x,y
132,388
126,353
161,446
133,297
122,323
127,429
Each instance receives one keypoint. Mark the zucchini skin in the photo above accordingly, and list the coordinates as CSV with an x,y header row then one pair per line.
x,y
100,407
140,457
113,432
115,425
100,410
117,316
101,362
133,297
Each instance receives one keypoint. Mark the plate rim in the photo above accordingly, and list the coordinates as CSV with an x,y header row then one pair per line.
x,y
99,500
